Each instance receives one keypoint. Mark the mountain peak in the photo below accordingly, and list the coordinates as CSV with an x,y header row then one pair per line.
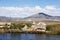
x,y
43,14
40,15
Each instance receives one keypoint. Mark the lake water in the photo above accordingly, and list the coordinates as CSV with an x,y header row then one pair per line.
x,y
18,36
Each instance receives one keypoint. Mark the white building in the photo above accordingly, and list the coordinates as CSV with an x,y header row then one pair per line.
x,y
39,26
25,28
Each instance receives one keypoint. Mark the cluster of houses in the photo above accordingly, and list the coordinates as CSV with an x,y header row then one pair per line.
x,y
35,27
3,24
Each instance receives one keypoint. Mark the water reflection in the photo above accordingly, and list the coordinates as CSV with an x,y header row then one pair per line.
x,y
27,37
40,36
15,36
18,36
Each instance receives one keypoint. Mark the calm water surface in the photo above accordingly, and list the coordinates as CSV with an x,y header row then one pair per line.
x,y
18,36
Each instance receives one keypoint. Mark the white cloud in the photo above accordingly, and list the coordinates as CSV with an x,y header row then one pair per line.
x,y
27,11
50,7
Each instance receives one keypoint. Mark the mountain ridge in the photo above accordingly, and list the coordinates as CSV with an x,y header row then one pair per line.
x,y
41,17
34,17
4,18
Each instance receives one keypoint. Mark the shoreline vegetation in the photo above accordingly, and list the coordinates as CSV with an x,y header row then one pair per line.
x,y
53,29
19,31
15,27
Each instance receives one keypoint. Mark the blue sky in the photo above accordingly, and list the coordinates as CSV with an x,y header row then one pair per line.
x,y
18,3
24,8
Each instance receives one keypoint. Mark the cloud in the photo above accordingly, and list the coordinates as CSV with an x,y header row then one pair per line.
x,y
27,11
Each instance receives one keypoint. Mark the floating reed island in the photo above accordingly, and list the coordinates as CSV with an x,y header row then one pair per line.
x,y
30,27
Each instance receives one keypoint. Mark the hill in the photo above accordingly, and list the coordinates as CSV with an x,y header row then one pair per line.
x,y
41,17
4,18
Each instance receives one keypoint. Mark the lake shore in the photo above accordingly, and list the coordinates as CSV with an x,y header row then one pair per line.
x,y
30,32
19,31
51,28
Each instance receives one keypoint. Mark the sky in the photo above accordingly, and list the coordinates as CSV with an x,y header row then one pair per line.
x,y
25,8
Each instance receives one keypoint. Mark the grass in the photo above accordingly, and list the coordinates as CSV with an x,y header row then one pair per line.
x,y
52,23
53,27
